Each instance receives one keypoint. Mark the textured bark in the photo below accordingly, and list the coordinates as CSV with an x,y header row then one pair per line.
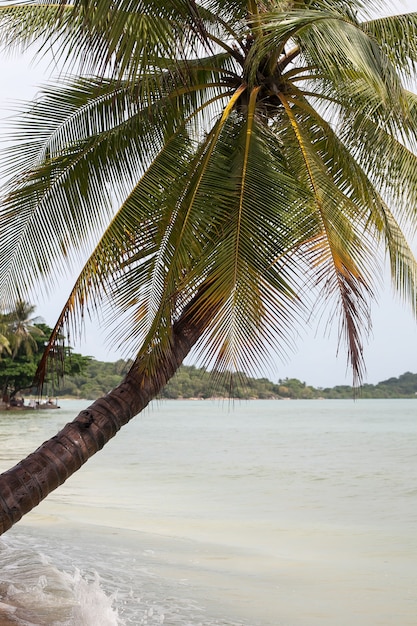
x,y
30,481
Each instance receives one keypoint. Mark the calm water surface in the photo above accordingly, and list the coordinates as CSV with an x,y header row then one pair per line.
x,y
201,513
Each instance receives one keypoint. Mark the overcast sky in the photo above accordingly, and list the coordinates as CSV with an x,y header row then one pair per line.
x,y
390,351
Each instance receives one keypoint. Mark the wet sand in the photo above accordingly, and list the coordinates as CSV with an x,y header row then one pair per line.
x,y
6,616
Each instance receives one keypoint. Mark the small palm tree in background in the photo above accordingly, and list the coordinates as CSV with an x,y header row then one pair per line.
x,y
22,329
223,167
19,334
4,341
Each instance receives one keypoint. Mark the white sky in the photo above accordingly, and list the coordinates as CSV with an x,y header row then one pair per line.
x,y
390,351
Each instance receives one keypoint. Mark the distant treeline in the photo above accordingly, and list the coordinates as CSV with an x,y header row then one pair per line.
x,y
192,382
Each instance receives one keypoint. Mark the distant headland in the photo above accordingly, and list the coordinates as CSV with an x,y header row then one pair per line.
x,y
192,382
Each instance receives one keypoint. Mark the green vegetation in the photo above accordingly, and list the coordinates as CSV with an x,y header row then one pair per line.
x,y
192,382
98,379
22,342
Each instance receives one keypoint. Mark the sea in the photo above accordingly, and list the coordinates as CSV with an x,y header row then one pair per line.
x,y
221,513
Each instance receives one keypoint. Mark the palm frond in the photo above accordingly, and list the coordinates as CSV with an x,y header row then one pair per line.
x,y
84,159
397,37
121,39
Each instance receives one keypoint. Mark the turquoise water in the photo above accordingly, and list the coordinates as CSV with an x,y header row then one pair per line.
x,y
201,513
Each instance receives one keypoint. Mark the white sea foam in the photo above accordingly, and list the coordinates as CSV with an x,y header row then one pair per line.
x,y
38,593
92,605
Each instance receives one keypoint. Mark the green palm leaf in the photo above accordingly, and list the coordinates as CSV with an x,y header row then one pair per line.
x,y
397,36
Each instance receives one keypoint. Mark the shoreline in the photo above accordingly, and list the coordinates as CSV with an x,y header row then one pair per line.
x,y
254,589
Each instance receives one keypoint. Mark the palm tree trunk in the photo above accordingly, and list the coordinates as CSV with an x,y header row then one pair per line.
x,y
30,481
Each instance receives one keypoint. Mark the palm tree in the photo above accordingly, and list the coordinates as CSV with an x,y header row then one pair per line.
x,y
20,334
224,167
22,328
4,341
